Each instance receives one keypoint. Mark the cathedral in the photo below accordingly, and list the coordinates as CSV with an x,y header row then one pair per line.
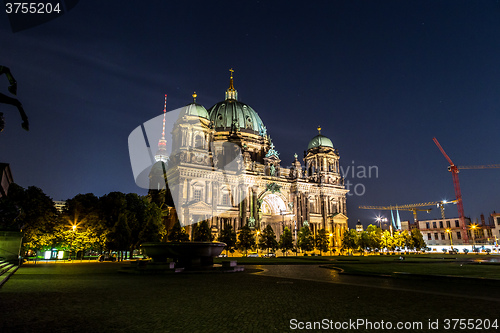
x,y
224,168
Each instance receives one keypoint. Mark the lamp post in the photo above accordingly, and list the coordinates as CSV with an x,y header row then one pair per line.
x,y
473,227
73,228
451,238
381,220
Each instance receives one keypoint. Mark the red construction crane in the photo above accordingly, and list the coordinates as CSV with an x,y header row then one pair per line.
x,y
454,172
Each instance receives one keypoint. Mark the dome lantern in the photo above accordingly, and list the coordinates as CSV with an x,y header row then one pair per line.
x,y
231,93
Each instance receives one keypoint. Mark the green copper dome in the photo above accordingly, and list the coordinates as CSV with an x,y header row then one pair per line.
x,y
320,141
232,114
195,109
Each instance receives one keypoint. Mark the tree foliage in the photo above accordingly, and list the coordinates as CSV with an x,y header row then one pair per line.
x,y
305,240
321,241
178,233
246,239
202,232
267,239
374,239
349,240
286,240
228,236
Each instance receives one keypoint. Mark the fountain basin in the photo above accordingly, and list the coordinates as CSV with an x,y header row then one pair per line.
x,y
185,254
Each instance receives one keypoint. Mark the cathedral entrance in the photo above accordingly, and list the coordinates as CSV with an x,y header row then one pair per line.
x,y
274,213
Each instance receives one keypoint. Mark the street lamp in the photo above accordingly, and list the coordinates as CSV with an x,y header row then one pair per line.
x,y
381,220
451,238
473,227
73,228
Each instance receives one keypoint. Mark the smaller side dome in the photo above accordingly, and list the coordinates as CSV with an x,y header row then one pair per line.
x,y
319,141
195,109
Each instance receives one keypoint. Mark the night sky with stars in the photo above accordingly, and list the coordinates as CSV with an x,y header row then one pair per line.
x,y
382,78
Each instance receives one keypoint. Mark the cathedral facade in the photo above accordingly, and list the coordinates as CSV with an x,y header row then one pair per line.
x,y
224,168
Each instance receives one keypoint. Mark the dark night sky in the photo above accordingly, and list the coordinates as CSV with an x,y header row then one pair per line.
x,y
381,78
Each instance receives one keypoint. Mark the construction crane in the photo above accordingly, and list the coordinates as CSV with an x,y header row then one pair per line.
x,y
411,208
439,204
454,172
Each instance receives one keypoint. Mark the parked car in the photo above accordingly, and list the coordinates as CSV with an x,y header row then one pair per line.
x,y
269,255
222,255
253,255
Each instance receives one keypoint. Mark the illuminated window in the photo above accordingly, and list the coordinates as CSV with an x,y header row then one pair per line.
x,y
198,142
225,199
197,195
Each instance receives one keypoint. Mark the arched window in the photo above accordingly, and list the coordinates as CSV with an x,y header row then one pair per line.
x,y
198,141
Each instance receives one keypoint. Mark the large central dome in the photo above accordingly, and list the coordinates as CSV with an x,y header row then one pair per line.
x,y
232,114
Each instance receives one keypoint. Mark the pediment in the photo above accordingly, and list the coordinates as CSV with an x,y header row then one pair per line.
x,y
198,205
339,217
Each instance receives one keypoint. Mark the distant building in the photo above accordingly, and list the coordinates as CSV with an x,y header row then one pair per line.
x,y
59,205
406,225
434,231
359,227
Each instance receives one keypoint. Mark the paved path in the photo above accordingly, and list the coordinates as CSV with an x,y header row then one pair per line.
x,y
472,288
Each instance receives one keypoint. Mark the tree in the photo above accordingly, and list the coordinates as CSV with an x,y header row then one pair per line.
x,y
154,229
374,237
202,232
407,240
178,233
228,236
36,216
349,240
386,240
321,241
418,239
305,241
286,241
267,239
83,212
398,240
363,241
246,239
119,236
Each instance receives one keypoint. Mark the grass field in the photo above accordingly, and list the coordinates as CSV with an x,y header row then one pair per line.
x,y
95,297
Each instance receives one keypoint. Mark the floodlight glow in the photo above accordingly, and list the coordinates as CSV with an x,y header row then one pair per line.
x,y
47,254
60,254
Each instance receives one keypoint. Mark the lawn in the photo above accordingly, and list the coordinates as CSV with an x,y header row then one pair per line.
x,y
95,297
